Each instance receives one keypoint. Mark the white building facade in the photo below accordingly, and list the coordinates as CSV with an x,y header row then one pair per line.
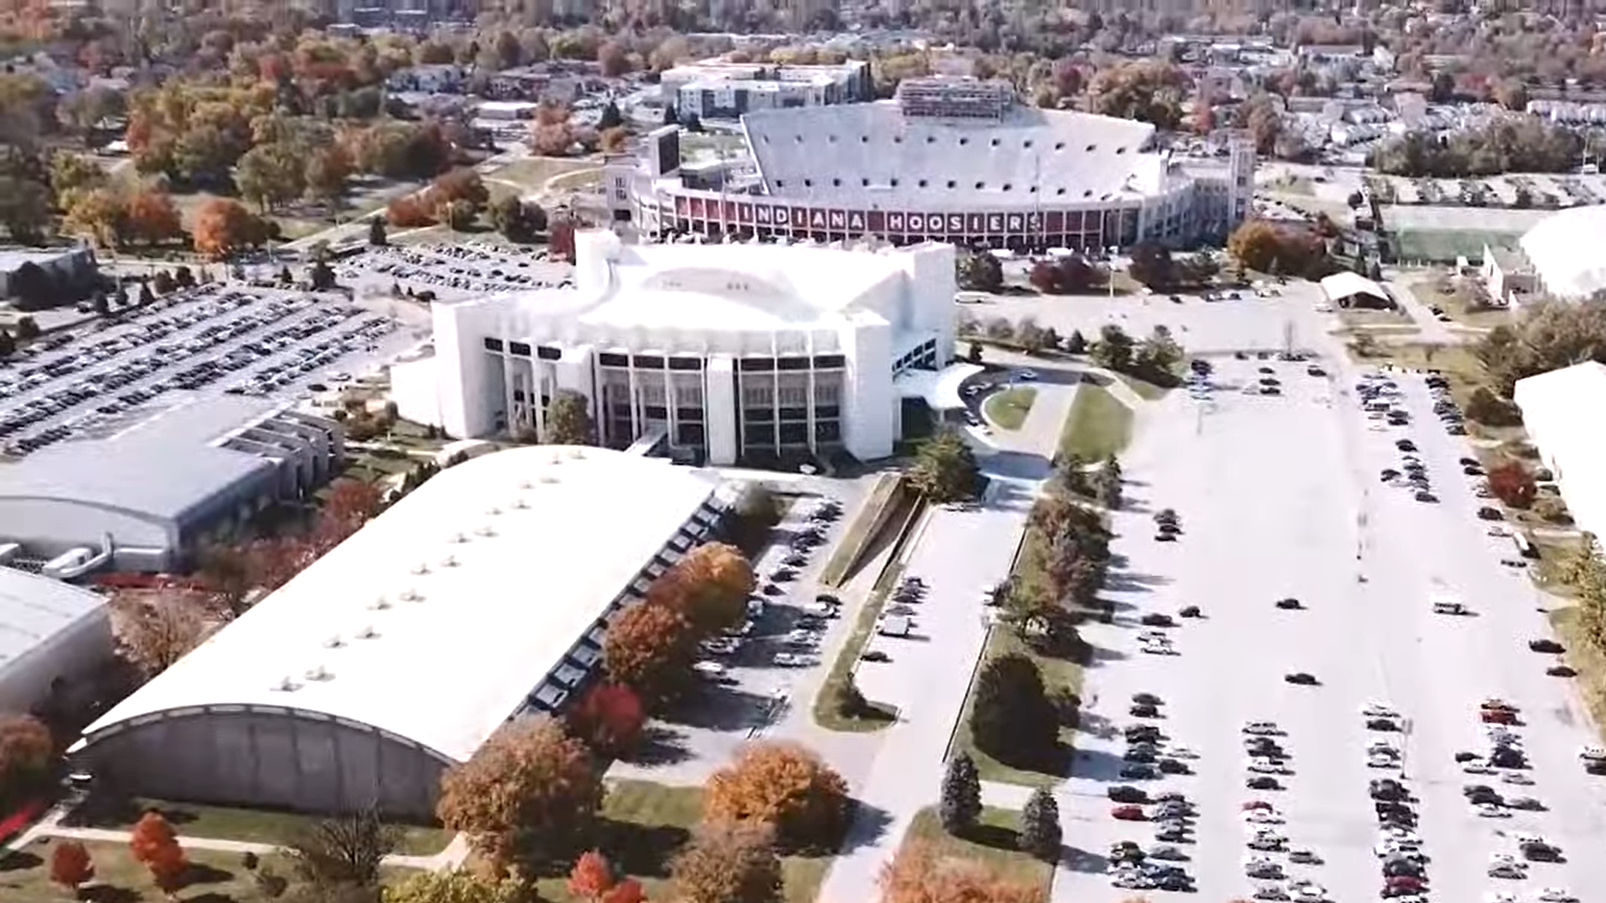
x,y
953,160
727,351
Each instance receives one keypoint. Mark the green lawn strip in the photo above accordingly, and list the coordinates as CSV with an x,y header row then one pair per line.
x,y
214,876
259,825
644,824
1056,672
1143,388
860,531
1008,409
1098,425
993,843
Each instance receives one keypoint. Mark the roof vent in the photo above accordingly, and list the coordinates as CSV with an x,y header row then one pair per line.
x,y
421,568
493,511
520,504
577,453
334,642
457,538
318,673
286,686
524,484
379,604
450,561
486,530
368,633
411,595
548,478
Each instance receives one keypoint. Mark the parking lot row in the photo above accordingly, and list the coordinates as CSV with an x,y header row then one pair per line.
x,y
458,268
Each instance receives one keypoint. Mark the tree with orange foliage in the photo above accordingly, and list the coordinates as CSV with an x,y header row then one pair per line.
x,y
609,718
528,796
626,891
591,877
786,786
412,211
154,843
650,649
224,228
717,580
728,862
70,865
614,140
920,874
153,217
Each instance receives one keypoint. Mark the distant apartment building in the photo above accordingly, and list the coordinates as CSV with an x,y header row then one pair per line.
x,y
402,14
719,90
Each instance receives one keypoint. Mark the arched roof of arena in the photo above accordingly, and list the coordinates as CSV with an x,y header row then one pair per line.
x,y
1565,250
872,154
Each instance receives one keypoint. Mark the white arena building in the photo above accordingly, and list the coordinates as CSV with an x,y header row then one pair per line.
x,y
1564,251
951,159
482,595
727,351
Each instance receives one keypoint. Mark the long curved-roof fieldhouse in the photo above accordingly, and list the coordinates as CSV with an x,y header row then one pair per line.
x,y
439,617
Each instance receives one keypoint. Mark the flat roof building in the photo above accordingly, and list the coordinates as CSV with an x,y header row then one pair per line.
x,y
146,498
733,351
53,636
481,596
1557,411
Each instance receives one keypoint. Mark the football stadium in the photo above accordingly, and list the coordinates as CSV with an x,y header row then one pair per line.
x,y
948,159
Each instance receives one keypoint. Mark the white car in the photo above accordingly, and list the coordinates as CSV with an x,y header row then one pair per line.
x,y
1493,812
1158,649
1154,636
1308,891
1379,710
789,660
1591,754
1181,752
1381,761
1263,817
1516,777
1270,892
1499,530
1476,767
710,669
1556,895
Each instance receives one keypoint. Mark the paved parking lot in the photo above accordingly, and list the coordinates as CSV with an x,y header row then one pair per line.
x,y
769,675
98,379
1280,497
451,271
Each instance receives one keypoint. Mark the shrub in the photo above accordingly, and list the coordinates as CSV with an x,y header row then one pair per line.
x,y
1012,719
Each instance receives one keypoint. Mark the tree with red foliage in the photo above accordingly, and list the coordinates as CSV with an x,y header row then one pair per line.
x,y
155,844
626,891
351,503
591,877
224,227
70,865
1512,485
152,216
560,240
412,211
609,718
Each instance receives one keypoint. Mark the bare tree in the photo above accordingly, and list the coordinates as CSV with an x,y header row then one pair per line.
x,y
345,850
156,629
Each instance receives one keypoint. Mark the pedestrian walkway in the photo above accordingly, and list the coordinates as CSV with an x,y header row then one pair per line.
x,y
452,856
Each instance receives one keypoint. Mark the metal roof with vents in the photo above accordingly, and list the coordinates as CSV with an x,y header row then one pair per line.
x,y
383,631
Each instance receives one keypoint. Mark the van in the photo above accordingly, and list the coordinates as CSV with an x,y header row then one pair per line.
x,y
895,625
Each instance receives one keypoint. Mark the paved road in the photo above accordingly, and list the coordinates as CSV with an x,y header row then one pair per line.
x,y
1433,331
958,554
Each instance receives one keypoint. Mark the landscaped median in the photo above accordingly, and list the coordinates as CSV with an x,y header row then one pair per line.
x,y
867,523
993,844
1099,425
1007,410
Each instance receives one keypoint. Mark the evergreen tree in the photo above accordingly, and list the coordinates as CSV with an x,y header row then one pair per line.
x,y
376,231
1077,343
960,805
1040,833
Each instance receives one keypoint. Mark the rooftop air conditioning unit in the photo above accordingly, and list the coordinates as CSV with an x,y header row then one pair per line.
x,y
318,673
577,453
493,511
421,568
368,633
411,595
520,504
379,604
449,562
486,530
334,642
456,538
286,686
548,478
524,484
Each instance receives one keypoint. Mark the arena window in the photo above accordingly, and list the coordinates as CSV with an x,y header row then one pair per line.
x,y
1007,186
808,183
1027,144
836,183
995,142
1059,145
1059,191
950,183
980,185
894,183
922,183
1091,148
963,141
1121,149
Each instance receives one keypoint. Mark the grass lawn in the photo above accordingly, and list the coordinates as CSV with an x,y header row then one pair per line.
x,y
1007,409
531,174
1374,318
1057,672
1098,426
215,877
645,823
1585,658
858,534
257,825
1143,388
1455,305
992,843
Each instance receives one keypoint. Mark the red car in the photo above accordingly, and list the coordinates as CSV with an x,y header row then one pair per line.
x,y
1405,882
1128,813
1255,804
1498,716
